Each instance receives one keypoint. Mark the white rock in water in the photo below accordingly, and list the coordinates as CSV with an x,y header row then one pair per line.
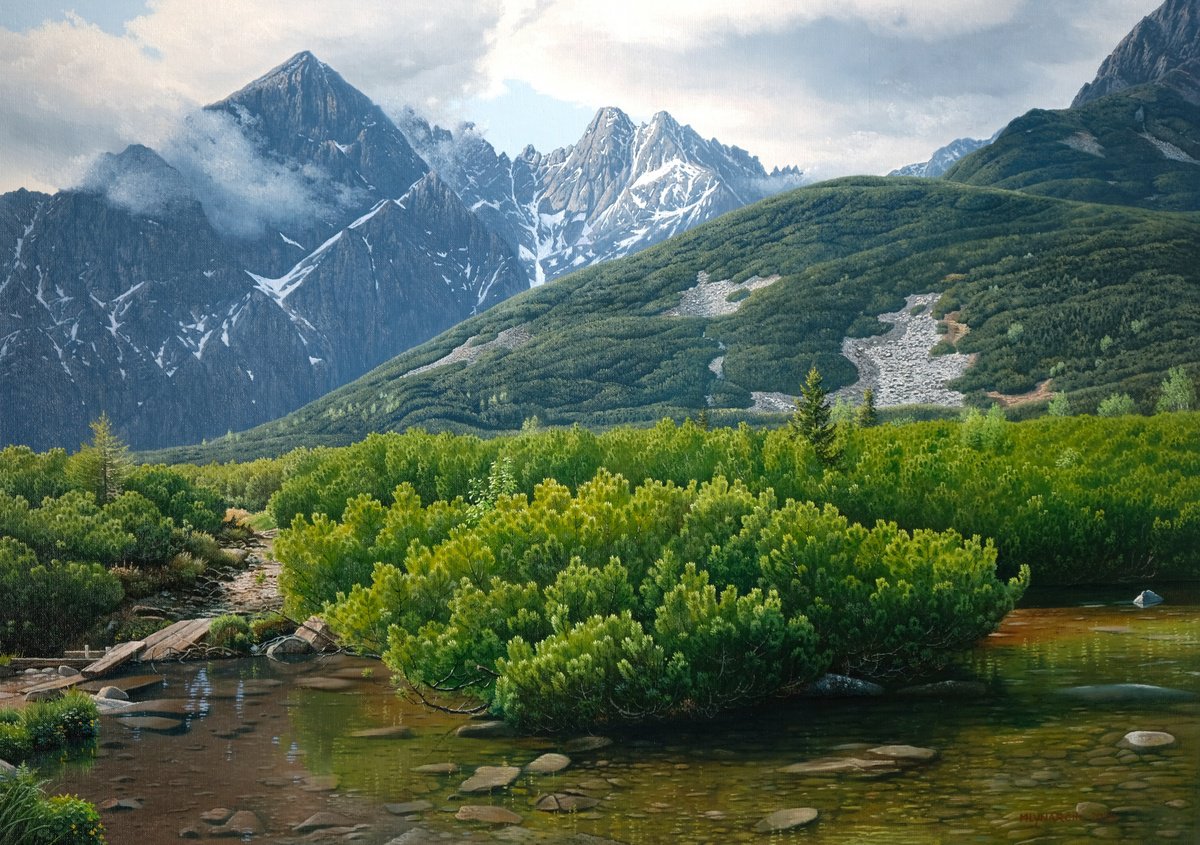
x,y
1148,598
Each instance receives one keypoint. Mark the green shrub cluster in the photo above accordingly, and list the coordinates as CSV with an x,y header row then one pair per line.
x,y
29,817
623,603
48,604
1077,498
48,726
62,548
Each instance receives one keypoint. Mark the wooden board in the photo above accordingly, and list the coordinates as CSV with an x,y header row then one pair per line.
x,y
174,640
115,657
39,691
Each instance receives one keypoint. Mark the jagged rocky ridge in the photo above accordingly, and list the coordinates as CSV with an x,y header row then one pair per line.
x,y
1132,137
944,158
290,238
620,188
1163,48
146,292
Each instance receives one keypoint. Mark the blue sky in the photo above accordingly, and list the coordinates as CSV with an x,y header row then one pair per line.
x,y
833,86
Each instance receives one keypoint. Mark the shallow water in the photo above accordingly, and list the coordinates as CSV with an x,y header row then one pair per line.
x,y
1012,764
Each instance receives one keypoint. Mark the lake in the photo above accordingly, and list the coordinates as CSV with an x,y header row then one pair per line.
x,y
1013,760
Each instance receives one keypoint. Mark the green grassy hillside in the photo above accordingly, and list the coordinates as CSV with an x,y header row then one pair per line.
x,y
1106,299
1131,148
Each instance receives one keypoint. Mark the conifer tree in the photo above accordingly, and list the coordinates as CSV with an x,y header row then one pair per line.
x,y
867,416
812,418
102,465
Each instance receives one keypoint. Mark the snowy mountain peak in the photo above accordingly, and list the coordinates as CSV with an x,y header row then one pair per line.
x,y
619,188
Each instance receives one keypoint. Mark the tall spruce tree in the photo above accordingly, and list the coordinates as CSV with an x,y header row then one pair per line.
x,y
867,416
812,418
102,465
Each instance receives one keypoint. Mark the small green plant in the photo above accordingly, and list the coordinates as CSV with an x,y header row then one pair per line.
x,y
28,817
1116,405
1178,392
1060,406
368,673
269,627
231,633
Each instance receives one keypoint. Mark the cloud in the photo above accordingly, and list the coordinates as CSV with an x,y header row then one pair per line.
x,y
69,90
242,191
834,86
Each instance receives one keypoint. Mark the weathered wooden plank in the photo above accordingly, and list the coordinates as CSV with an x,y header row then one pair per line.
x,y
176,639
51,689
317,634
115,657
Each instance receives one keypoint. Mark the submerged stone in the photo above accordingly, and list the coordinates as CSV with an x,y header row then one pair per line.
x,y
437,769
842,686
945,689
321,821
486,813
491,729
565,802
841,766
586,743
787,820
407,808
548,764
487,778
1119,693
1148,739
393,732
159,724
903,753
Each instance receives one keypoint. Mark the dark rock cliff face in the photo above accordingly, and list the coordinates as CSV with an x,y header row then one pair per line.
x,y
1164,47
122,296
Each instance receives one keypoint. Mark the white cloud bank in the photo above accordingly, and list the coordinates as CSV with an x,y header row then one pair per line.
x,y
834,86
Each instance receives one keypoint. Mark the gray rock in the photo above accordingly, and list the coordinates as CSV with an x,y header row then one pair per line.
x,y
407,808
116,805
487,778
1121,693
217,815
565,802
945,689
437,769
842,686
1148,598
486,813
7,770
841,766
586,743
1091,811
321,821
1140,740
787,820
242,823
113,693
903,753
490,729
158,724
548,764
68,671
289,647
